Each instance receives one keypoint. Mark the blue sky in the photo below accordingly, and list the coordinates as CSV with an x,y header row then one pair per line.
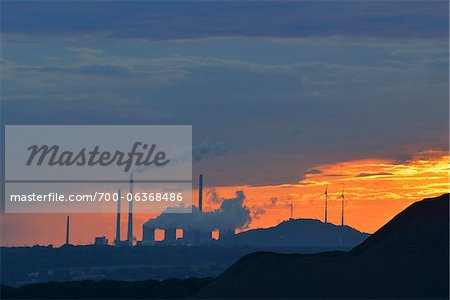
x,y
276,88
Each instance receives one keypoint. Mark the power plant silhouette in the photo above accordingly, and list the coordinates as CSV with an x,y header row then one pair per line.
x,y
202,228
198,227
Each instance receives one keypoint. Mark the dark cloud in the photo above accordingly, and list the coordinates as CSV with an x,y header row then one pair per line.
x,y
88,70
313,171
174,20
374,174
208,148
281,105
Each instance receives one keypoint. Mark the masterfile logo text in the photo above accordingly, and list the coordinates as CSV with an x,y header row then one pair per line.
x,y
54,157
82,168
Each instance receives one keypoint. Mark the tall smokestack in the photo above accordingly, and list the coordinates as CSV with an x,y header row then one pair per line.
x,y
118,220
130,212
67,230
200,192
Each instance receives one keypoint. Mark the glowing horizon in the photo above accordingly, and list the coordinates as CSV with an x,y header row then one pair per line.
x,y
368,183
375,191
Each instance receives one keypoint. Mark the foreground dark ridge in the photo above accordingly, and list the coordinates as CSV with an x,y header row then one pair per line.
x,y
108,289
26,265
407,258
38,264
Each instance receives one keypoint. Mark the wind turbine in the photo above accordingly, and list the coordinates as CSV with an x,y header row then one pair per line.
x,y
342,217
343,204
292,212
326,204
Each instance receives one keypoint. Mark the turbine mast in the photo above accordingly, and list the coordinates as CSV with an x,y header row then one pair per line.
x,y
343,204
292,211
341,237
326,204
67,230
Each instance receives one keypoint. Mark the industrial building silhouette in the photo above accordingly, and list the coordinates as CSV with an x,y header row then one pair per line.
x,y
197,227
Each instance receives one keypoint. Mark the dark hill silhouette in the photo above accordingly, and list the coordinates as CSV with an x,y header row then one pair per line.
x,y
26,265
407,258
107,289
303,233
418,230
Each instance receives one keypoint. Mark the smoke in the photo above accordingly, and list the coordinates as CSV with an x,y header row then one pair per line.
x,y
258,212
198,153
208,148
231,215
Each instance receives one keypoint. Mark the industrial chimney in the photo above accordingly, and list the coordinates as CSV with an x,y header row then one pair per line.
x,y
117,241
67,230
130,213
200,192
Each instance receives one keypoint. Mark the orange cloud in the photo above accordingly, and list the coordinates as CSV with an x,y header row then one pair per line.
x,y
375,191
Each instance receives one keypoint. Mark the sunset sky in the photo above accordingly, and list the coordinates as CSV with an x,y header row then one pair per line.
x,y
347,94
375,191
